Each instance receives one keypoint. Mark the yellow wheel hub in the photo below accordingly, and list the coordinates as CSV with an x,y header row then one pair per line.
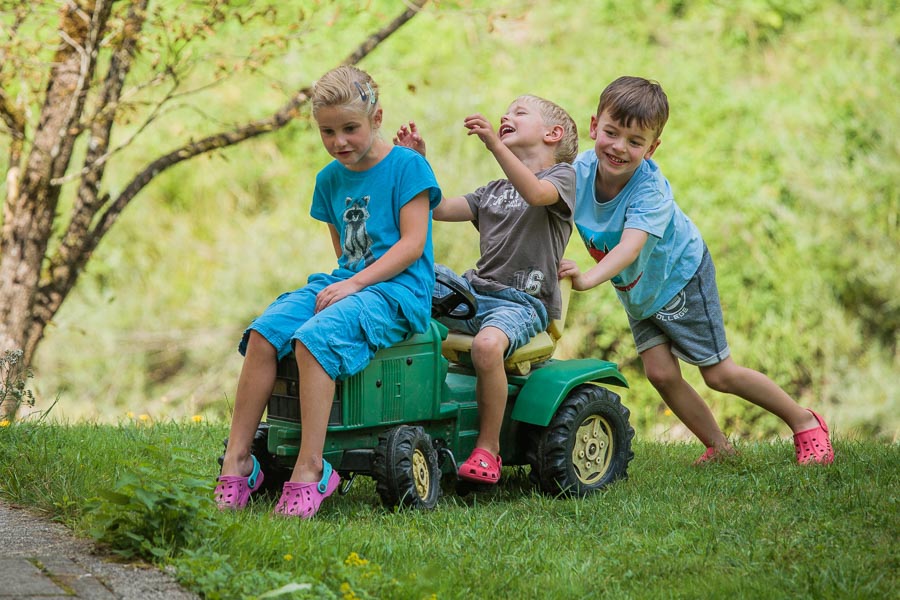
x,y
593,449
421,474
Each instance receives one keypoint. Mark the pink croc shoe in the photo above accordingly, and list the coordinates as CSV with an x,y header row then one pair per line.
x,y
303,499
481,467
813,445
233,492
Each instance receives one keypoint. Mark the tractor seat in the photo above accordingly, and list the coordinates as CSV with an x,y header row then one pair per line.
x,y
458,346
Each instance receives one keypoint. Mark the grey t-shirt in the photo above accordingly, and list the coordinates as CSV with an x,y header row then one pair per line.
x,y
521,245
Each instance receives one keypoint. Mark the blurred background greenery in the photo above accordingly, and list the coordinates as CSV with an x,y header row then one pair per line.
x,y
782,146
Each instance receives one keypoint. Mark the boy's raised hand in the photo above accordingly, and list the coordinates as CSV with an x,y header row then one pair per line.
x,y
480,126
409,137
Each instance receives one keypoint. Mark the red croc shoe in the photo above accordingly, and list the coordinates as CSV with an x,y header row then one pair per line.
x,y
303,499
813,445
233,492
708,456
712,455
481,467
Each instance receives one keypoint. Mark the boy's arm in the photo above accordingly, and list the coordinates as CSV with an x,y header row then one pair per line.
x,y
413,235
453,209
625,253
536,192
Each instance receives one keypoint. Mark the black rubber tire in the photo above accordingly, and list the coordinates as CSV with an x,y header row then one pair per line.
x,y
586,446
274,474
406,469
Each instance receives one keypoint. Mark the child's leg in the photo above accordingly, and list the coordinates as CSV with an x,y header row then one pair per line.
x,y
267,338
664,372
755,387
317,391
338,341
488,349
508,320
254,388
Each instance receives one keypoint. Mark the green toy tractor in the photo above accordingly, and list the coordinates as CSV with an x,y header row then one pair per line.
x,y
406,418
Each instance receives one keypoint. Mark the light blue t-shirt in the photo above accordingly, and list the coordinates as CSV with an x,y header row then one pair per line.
x,y
674,247
364,206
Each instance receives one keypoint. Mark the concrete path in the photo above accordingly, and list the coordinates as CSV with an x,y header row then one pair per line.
x,y
42,560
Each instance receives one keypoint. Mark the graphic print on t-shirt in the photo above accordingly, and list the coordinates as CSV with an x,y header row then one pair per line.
x,y
598,255
508,200
529,281
357,243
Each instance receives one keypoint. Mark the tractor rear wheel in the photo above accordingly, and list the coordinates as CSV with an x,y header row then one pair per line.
x,y
274,473
586,446
406,469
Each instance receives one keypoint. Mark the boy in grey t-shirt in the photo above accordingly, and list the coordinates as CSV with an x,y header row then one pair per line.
x,y
524,223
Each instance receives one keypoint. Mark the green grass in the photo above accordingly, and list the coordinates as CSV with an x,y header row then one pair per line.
x,y
758,526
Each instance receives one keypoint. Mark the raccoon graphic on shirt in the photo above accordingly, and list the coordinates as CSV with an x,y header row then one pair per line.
x,y
357,244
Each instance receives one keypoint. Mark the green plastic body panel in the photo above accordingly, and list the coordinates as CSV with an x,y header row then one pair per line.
x,y
412,383
547,386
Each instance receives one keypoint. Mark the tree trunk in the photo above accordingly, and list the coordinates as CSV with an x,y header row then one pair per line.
x,y
32,198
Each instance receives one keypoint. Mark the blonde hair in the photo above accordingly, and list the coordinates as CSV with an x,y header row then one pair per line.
x,y
553,114
635,99
346,86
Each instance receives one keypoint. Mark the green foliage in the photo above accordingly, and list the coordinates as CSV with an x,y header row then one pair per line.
x,y
780,146
217,577
757,526
156,508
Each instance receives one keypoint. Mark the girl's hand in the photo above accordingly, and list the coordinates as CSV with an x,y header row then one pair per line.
x,y
569,268
335,292
478,125
409,137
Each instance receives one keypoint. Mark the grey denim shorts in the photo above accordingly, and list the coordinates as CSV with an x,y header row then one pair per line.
x,y
691,322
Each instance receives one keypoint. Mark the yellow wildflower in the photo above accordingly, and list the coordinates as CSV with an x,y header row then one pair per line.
x,y
288,557
144,418
4,423
129,414
197,418
353,560
348,592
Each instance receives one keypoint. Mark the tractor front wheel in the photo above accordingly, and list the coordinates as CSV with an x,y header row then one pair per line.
x,y
406,469
586,446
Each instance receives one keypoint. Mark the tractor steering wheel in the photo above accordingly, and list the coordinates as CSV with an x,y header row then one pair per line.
x,y
458,303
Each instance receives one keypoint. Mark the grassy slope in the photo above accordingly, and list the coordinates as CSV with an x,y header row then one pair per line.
x,y
779,147
756,527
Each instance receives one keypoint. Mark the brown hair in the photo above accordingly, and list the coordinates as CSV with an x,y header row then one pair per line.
x,y
345,86
630,99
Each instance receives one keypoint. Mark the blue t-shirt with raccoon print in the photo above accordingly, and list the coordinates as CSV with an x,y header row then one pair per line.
x,y
364,207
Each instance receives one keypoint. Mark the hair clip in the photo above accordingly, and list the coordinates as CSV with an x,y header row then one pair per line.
x,y
362,93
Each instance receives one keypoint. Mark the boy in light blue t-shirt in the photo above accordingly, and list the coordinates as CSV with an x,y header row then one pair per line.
x,y
657,261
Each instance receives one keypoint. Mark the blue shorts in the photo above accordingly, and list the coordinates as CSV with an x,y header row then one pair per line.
x,y
343,338
515,313
691,322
